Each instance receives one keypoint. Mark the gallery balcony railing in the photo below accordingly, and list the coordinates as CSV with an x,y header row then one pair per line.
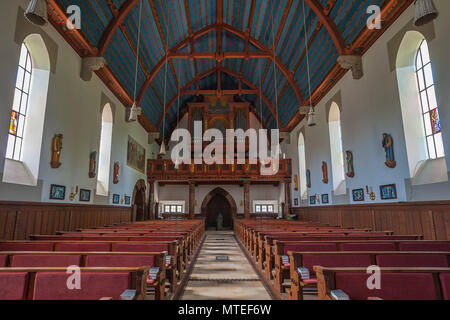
x,y
164,170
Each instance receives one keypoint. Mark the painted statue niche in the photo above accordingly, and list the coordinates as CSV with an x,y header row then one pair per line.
x,y
92,165
116,172
388,145
324,172
350,167
295,182
57,146
308,178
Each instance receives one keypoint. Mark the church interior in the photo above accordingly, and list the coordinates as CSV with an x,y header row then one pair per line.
x,y
224,150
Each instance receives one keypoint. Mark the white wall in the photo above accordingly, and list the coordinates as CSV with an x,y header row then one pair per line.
x,y
257,192
371,106
73,109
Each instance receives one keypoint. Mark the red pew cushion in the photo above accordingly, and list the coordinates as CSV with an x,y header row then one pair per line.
x,y
412,261
360,246
94,286
335,261
309,247
83,247
3,261
123,261
42,260
425,246
394,286
445,284
26,246
13,285
140,247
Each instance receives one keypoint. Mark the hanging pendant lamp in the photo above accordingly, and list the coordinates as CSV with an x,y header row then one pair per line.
x,y
425,12
177,162
163,146
162,151
136,111
311,120
311,114
36,12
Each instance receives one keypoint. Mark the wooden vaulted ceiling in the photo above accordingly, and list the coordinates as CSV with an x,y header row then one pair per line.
x,y
252,48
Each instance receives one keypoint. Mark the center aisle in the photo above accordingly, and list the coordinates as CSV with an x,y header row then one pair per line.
x,y
215,278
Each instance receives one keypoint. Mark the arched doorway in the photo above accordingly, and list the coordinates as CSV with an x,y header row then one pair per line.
x,y
219,201
139,201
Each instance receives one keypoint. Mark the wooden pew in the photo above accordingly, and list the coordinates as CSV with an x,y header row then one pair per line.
x,y
308,260
51,283
396,283
174,268
94,259
271,248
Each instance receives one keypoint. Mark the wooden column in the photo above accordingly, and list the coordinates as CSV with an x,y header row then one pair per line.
x,y
191,200
287,199
247,200
151,200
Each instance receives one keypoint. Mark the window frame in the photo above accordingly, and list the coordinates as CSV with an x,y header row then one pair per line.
x,y
424,93
21,115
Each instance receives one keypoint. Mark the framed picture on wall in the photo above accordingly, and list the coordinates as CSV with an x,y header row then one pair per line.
x,y
358,195
127,200
325,199
388,192
135,155
85,195
295,202
116,198
57,192
312,199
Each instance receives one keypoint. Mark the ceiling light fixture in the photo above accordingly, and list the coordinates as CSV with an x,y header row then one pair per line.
x,y
310,119
162,152
36,12
177,161
425,12
136,111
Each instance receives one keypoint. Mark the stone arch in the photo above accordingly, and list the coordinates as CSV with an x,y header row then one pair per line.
x,y
139,201
213,194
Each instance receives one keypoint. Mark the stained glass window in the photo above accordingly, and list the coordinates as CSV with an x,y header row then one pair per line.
x,y
19,107
427,96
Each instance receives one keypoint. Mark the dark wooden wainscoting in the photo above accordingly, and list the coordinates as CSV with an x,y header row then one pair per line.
x,y
19,220
430,219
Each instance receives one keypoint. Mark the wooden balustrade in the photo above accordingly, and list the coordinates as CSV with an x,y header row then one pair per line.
x,y
164,170
18,220
430,219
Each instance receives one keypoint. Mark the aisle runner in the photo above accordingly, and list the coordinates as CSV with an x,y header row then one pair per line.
x,y
223,272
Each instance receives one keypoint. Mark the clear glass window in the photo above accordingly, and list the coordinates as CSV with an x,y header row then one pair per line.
x,y
427,96
20,104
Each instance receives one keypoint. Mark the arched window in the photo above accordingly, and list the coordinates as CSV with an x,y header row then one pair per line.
x,y
19,106
421,123
27,115
337,155
302,166
104,162
428,102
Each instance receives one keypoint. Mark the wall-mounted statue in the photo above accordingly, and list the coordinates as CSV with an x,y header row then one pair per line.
x,y
324,172
388,145
56,151
350,168
116,172
92,165
308,178
295,182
